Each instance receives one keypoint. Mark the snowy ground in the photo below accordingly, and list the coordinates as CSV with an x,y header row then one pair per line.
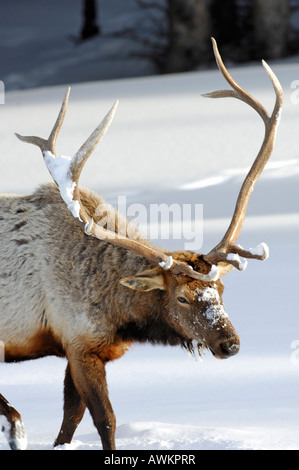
x,y
167,144
37,43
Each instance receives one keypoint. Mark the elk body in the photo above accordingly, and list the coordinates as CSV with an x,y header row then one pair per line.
x,y
69,287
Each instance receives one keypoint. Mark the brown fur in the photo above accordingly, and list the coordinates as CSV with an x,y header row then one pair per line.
x,y
60,294
42,344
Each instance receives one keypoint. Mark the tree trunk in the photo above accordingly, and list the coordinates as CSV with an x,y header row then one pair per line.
x,y
90,27
189,32
271,21
225,21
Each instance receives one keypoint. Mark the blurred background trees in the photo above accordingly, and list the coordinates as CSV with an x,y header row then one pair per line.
x,y
178,38
62,41
271,25
187,31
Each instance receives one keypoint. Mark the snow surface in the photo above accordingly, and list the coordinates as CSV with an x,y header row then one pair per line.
x,y
167,144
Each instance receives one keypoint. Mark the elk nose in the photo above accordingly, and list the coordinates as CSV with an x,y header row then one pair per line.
x,y
226,347
230,347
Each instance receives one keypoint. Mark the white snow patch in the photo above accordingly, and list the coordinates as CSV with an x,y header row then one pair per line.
x,y
167,264
208,294
213,274
59,168
215,311
242,262
261,250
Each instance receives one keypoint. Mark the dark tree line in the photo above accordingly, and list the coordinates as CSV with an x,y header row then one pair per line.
x,y
252,27
245,29
176,34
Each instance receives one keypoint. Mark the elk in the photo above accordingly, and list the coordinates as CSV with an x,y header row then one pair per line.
x,y
72,288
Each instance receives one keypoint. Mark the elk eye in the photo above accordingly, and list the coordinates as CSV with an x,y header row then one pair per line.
x,y
182,300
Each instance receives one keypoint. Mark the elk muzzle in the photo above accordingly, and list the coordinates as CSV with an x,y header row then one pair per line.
x,y
226,347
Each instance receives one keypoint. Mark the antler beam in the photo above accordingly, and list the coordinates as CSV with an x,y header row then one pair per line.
x,y
224,250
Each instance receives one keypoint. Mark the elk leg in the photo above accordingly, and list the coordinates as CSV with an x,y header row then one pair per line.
x,y
73,410
12,426
89,377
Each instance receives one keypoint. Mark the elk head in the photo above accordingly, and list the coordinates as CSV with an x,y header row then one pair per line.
x,y
190,282
192,308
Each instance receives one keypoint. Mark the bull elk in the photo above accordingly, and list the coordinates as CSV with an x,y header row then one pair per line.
x,y
70,287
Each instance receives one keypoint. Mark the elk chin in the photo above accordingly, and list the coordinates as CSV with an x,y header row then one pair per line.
x,y
194,346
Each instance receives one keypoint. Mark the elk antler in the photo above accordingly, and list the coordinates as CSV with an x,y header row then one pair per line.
x,y
226,254
66,171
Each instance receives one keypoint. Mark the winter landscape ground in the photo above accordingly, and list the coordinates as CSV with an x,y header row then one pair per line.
x,y
168,144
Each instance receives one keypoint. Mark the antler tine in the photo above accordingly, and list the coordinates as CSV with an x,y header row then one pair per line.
x,y
237,92
227,244
49,144
81,156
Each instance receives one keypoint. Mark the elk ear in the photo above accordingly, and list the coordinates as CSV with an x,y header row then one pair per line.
x,y
146,281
